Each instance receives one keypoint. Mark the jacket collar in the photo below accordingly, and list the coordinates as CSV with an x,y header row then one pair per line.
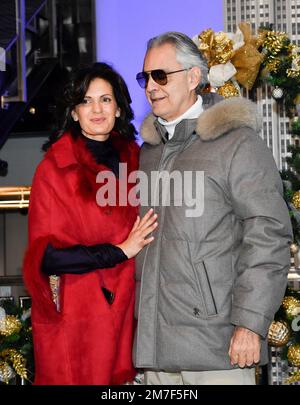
x,y
62,151
218,118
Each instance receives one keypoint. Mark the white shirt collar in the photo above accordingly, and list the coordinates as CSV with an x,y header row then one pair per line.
x,y
193,112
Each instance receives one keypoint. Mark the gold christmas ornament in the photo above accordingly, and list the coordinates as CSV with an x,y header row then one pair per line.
x,y
293,355
275,41
291,306
6,372
17,359
279,333
294,377
228,90
295,73
223,47
9,325
294,248
206,39
273,65
296,200
216,47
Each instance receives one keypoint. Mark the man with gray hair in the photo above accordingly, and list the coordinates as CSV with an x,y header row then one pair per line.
x,y
208,286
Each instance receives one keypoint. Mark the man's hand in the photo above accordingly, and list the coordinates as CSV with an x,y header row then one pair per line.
x,y
244,347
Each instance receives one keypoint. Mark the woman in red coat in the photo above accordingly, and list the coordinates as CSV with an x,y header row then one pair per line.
x,y
79,266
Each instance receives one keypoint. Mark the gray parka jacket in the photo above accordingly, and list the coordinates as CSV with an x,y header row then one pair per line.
x,y
228,266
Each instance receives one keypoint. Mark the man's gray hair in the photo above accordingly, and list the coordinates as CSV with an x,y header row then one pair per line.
x,y
187,53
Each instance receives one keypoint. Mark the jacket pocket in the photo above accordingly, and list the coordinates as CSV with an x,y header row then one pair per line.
x,y
205,289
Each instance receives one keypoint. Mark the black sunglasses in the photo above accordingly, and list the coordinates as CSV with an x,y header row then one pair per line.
x,y
158,75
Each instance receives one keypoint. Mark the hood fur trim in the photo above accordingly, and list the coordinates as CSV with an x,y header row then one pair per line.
x,y
148,131
229,114
222,117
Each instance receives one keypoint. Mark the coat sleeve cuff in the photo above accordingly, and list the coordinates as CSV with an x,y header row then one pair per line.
x,y
251,320
37,283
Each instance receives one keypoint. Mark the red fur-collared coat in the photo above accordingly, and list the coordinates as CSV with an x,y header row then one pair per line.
x,y
88,341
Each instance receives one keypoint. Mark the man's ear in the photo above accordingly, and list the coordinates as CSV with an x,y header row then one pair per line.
x,y
194,77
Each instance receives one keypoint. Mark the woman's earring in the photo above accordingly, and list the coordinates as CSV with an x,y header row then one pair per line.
x,y
75,118
118,113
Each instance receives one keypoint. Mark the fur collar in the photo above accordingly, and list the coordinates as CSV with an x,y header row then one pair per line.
x,y
68,151
215,121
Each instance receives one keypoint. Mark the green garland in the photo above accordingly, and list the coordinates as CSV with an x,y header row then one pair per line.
x,y
281,66
267,57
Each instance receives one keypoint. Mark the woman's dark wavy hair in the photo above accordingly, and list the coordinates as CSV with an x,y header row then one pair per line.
x,y
74,92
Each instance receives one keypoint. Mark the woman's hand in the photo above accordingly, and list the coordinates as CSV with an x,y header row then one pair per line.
x,y
137,238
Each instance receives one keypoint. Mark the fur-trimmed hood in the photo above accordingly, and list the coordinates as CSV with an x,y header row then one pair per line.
x,y
217,119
